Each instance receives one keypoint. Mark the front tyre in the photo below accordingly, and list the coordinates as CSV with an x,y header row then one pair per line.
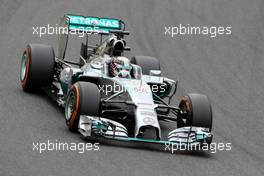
x,y
198,111
36,67
82,99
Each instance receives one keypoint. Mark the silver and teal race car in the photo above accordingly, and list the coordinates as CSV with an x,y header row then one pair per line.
x,y
106,95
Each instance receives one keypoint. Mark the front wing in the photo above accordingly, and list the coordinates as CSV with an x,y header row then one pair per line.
x,y
104,128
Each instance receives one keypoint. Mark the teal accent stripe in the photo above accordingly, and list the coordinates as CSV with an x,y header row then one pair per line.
x,y
87,23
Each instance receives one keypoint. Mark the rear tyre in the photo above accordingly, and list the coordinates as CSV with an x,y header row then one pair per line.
x,y
82,99
147,63
198,109
36,67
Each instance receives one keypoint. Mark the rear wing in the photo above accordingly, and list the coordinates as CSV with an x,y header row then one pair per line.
x,y
92,24
85,24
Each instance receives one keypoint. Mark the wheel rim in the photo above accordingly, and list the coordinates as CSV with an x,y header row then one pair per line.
x,y
70,106
23,67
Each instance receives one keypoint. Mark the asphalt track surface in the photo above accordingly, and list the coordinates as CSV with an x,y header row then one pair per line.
x,y
229,69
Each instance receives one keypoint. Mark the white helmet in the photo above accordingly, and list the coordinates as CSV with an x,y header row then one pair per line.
x,y
121,67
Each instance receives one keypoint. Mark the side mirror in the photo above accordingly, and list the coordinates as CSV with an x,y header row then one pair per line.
x,y
154,72
173,87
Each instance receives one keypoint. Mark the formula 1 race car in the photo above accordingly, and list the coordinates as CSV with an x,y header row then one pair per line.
x,y
106,95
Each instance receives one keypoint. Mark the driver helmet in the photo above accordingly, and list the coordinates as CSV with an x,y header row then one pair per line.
x,y
121,67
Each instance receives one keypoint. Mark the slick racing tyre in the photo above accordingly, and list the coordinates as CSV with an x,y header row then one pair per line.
x,y
36,67
82,99
198,111
147,63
